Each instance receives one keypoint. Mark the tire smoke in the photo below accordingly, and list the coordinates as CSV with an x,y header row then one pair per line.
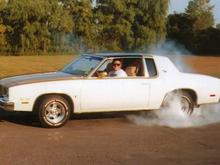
x,y
174,51
173,116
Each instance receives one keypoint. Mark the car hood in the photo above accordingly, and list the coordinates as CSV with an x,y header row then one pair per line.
x,y
35,78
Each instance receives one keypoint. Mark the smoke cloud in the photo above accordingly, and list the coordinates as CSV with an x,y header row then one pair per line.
x,y
176,53
173,116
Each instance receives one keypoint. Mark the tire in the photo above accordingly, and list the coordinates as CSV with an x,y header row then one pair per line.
x,y
54,111
187,103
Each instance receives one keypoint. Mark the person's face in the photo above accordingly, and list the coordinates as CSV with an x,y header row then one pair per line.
x,y
116,65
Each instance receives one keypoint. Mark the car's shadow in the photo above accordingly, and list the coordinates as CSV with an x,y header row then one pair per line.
x,y
23,118
28,119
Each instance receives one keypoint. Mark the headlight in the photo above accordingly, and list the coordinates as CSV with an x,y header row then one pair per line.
x,y
3,91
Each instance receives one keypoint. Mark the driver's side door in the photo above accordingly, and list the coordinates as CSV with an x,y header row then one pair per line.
x,y
114,94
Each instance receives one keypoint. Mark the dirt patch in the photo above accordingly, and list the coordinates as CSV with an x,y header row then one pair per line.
x,y
16,65
204,65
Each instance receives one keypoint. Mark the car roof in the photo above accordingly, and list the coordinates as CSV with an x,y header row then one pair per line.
x,y
119,55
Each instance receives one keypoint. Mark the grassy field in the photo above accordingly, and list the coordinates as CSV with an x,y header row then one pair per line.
x,y
204,65
11,65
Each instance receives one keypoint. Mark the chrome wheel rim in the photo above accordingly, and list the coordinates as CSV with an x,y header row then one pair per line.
x,y
55,112
186,105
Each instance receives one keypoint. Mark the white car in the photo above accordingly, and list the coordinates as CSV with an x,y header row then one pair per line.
x,y
84,86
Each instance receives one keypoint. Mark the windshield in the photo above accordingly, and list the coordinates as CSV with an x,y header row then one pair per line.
x,y
82,66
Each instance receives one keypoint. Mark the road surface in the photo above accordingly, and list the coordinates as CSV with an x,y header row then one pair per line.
x,y
105,139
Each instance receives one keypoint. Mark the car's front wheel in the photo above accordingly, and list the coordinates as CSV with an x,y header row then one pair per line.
x,y
54,111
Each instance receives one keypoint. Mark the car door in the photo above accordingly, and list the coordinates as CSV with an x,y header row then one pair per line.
x,y
114,94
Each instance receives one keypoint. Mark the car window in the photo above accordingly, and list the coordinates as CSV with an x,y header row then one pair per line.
x,y
151,67
133,67
82,66
105,67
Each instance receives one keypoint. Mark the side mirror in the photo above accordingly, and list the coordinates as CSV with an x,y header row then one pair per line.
x,y
102,74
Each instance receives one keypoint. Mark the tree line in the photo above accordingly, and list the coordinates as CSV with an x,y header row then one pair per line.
x,y
54,26
195,28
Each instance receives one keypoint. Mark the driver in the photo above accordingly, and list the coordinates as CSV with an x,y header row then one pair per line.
x,y
117,71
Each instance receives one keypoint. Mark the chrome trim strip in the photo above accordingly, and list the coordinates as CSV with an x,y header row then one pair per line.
x,y
6,105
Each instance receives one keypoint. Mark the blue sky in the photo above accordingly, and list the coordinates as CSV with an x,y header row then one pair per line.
x,y
180,5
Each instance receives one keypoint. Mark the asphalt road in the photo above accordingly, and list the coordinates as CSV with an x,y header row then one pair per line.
x,y
105,139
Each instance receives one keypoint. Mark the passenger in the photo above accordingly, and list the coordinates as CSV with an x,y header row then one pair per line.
x,y
117,71
133,69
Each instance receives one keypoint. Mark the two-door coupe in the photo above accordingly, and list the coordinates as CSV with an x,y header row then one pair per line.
x,y
84,86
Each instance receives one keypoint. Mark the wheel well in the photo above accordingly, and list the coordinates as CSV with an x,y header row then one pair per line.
x,y
191,92
40,98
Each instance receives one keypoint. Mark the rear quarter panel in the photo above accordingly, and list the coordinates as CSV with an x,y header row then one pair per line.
x,y
170,79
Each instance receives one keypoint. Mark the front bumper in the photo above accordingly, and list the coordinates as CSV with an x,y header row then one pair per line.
x,y
6,105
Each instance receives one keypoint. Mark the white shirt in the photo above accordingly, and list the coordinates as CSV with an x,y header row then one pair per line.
x,y
118,73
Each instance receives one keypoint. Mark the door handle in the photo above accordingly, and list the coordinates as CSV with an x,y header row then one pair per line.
x,y
144,83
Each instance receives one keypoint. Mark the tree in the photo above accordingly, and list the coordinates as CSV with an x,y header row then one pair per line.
x,y
207,42
114,21
48,25
204,42
31,24
150,22
218,26
180,29
83,28
191,28
201,12
3,42
131,25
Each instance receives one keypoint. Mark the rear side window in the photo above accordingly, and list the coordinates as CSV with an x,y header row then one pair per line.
x,y
151,67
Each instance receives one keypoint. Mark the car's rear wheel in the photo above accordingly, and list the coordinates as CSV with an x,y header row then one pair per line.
x,y
186,101
54,111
